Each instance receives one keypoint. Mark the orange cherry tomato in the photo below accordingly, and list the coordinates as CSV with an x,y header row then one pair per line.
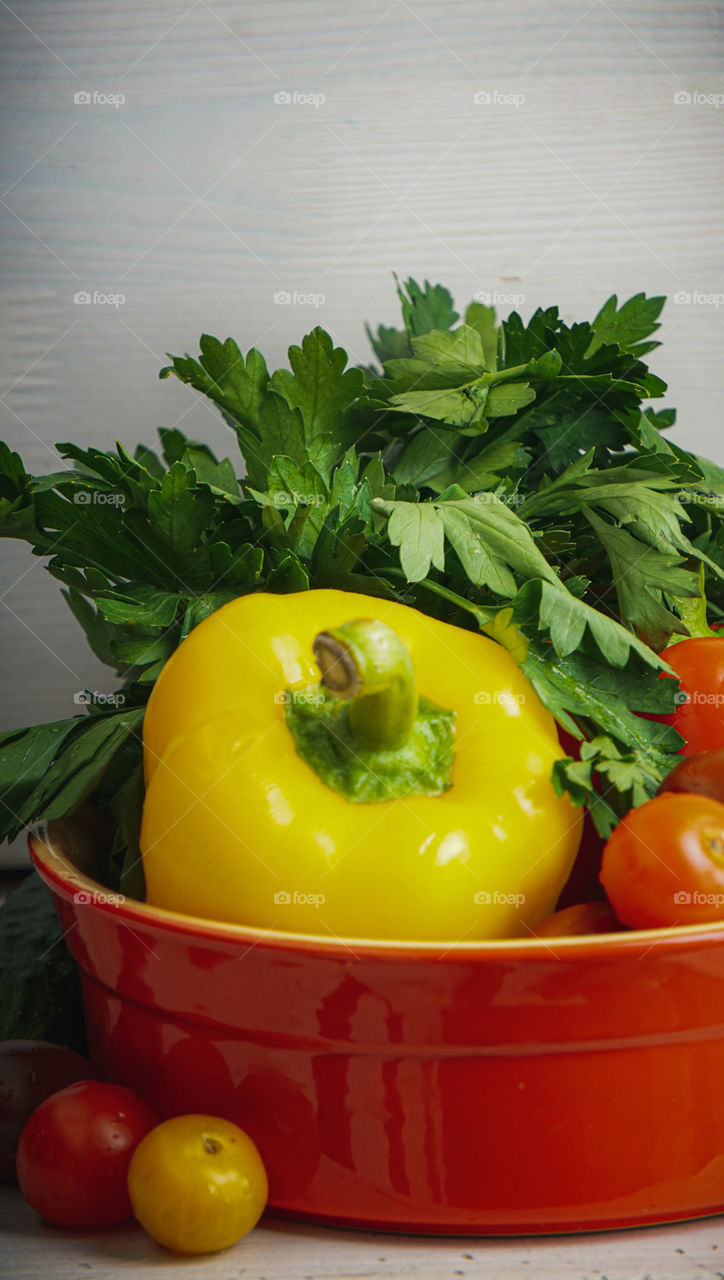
x,y
701,775
664,863
583,918
699,715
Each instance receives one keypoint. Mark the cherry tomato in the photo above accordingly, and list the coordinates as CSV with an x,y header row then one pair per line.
x,y
699,716
197,1184
701,775
30,1070
74,1153
583,918
664,863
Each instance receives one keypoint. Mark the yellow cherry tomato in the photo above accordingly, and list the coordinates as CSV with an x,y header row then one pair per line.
x,y
197,1184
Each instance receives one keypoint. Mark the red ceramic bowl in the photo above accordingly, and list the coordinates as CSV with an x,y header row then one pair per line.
x,y
479,1088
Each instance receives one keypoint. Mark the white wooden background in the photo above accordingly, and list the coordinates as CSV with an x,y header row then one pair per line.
x,y
199,196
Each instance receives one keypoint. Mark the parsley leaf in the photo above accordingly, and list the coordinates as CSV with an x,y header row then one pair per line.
x,y
628,326
319,386
426,308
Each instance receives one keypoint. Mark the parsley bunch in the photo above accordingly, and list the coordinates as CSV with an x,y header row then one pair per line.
x,y
504,476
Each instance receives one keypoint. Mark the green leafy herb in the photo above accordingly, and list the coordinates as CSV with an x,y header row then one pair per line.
x,y
38,976
626,327
507,476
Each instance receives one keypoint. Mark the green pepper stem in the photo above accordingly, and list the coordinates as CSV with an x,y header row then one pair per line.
x,y
365,660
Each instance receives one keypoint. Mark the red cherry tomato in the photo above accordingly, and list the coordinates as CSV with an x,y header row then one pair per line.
x,y
664,863
74,1153
699,717
30,1070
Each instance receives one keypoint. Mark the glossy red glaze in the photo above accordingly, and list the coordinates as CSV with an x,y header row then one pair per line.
x,y
484,1088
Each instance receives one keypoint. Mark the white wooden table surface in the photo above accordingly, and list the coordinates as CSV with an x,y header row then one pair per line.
x,y
590,163
278,1250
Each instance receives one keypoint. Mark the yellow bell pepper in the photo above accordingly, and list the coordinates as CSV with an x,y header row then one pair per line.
x,y
351,806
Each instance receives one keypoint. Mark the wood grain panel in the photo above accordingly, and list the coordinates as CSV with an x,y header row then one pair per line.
x,y
200,197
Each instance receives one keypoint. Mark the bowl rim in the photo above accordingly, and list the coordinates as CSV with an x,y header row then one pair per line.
x,y
59,873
